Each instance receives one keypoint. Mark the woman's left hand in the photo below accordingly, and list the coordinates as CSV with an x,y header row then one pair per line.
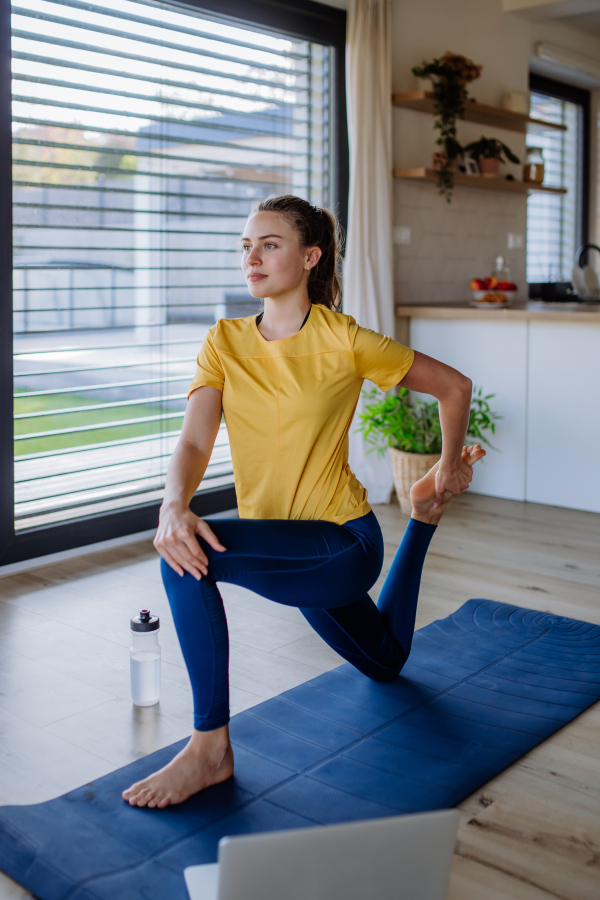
x,y
454,478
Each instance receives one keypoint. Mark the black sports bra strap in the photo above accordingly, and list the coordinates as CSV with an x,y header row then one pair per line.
x,y
260,315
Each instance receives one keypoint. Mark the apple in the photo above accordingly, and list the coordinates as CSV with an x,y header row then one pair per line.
x,y
476,284
490,282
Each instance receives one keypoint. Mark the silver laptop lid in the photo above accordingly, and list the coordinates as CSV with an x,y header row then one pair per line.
x,y
398,858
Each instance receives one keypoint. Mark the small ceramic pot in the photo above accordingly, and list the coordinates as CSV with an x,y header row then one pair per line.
x,y
517,101
424,84
488,167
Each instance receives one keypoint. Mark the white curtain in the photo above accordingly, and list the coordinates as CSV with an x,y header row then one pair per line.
x,y
368,269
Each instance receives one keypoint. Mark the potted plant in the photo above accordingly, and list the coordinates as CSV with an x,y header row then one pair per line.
x,y
489,153
449,77
410,430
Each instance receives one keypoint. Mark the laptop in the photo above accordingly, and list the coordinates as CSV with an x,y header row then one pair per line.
x,y
396,858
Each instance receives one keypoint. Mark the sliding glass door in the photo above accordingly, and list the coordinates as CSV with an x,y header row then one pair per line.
x,y
141,134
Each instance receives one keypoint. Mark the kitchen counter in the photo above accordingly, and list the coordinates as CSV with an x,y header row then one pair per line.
x,y
541,362
527,310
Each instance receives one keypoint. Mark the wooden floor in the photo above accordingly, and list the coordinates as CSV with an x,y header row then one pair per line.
x,y
66,717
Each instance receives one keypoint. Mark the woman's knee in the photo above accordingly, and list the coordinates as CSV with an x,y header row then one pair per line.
x,y
180,587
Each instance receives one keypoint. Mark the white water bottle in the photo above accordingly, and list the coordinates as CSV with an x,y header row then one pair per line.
x,y
144,659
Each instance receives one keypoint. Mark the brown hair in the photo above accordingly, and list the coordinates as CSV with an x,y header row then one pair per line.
x,y
315,227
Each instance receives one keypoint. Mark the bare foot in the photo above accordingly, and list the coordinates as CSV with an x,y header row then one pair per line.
x,y
207,759
423,491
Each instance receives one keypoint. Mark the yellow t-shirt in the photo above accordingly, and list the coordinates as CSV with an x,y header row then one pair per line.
x,y
288,405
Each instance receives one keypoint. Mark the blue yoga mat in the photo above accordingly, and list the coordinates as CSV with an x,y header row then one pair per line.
x,y
481,688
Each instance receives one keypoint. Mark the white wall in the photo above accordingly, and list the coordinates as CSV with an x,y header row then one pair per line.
x,y
462,238
453,242
502,42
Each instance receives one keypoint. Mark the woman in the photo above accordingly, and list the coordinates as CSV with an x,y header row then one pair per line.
x,y
288,381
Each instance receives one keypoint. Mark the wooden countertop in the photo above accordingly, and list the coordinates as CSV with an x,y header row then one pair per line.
x,y
529,310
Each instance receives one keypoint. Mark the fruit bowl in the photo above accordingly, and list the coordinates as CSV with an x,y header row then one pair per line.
x,y
492,292
492,298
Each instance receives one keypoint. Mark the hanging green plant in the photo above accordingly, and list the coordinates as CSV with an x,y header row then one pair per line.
x,y
449,77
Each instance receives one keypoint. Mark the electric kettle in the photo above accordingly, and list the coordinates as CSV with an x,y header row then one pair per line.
x,y
585,280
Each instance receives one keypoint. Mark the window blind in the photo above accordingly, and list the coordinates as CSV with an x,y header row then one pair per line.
x,y
141,135
554,220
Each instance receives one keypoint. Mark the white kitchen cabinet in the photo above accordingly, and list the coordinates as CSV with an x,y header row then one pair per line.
x,y
494,355
563,422
546,378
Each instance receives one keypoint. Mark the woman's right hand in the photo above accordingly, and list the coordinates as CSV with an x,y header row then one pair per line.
x,y
177,540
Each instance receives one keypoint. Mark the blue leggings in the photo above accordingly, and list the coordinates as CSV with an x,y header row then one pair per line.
x,y
322,568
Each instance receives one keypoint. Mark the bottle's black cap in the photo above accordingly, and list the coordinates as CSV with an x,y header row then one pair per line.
x,y
145,622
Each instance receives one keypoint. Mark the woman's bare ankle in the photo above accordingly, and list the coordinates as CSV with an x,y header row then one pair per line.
x,y
210,748
209,743
423,491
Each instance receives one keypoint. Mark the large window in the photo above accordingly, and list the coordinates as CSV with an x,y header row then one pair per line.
x,y
141,134
557,224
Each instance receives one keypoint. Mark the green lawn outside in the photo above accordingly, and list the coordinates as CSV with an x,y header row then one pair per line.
x,y
90,417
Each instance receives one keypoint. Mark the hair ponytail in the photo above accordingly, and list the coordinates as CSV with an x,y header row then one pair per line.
x,y
315,227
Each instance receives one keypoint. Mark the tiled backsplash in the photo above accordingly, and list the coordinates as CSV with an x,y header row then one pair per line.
x,y
453,242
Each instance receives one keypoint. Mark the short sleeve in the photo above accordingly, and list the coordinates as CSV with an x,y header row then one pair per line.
x,y
378,358
209,371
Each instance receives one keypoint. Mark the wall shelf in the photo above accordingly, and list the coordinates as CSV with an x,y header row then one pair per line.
x,y
478,181
423,101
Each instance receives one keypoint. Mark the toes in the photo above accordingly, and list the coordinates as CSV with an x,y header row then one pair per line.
x,y
131,791
140,798
144,794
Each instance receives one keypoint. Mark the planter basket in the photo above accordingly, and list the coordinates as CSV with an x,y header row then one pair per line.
x,y
406,469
